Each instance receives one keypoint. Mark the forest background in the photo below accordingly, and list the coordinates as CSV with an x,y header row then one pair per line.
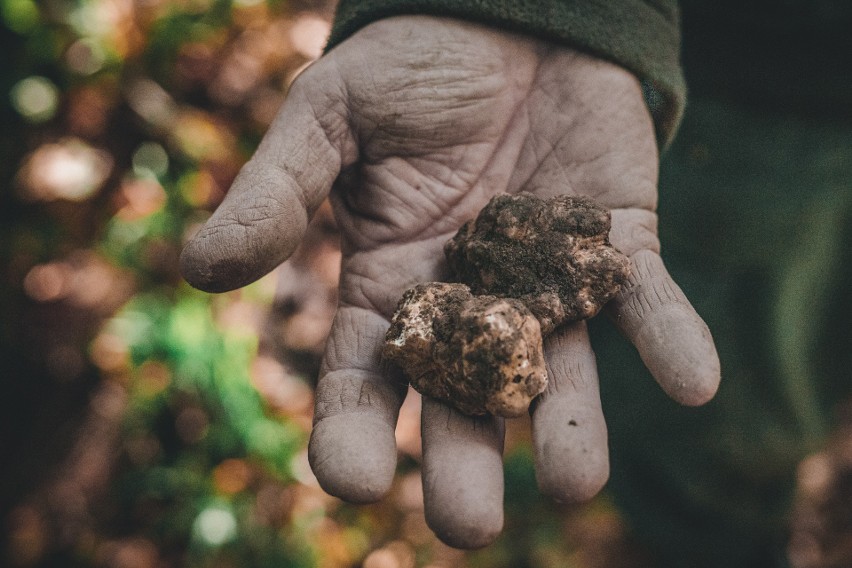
x,y
145,424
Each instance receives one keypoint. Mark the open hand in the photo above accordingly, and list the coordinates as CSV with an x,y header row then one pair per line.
x,y
417,122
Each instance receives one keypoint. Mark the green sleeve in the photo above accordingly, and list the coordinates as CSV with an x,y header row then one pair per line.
x,y
640,35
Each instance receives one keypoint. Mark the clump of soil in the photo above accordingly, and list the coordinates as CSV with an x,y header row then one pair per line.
x,y
526,266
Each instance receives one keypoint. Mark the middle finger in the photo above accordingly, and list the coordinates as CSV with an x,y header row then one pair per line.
x,y
462,475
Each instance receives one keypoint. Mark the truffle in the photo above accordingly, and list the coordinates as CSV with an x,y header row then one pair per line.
x,y
524,266
553,255
479,353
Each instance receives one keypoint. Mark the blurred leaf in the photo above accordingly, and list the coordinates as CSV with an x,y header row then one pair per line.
x,y
20,16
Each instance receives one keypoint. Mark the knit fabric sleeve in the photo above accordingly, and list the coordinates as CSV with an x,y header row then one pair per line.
x,y
642,36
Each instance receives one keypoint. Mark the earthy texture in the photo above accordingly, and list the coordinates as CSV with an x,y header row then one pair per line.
x,y
553,255
527,265
479,353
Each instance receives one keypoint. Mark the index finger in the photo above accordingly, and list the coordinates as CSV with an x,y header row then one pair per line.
x,y
265,213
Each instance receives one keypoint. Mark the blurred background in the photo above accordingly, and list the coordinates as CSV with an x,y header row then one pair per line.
x,y
144,424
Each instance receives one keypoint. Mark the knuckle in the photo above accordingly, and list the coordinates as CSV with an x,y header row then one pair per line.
x,y
347,391
649,290
634,230
355,340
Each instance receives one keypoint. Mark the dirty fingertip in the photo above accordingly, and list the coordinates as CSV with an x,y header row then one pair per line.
x,y
353,457
678,349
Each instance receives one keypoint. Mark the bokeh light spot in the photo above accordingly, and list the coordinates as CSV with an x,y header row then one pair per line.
x,y
153,377
109,352
199,188
309,35
20,16
140,198
215,525
396,554
232,476
150,159
69,169
150,101
35,98
27,537
48,282
85,56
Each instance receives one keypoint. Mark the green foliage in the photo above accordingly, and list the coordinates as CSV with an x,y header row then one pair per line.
x,y
198,443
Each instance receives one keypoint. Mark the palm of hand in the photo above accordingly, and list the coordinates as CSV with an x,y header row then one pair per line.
x,y
421,121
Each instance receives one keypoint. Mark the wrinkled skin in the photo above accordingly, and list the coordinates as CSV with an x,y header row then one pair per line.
x,y
416,122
